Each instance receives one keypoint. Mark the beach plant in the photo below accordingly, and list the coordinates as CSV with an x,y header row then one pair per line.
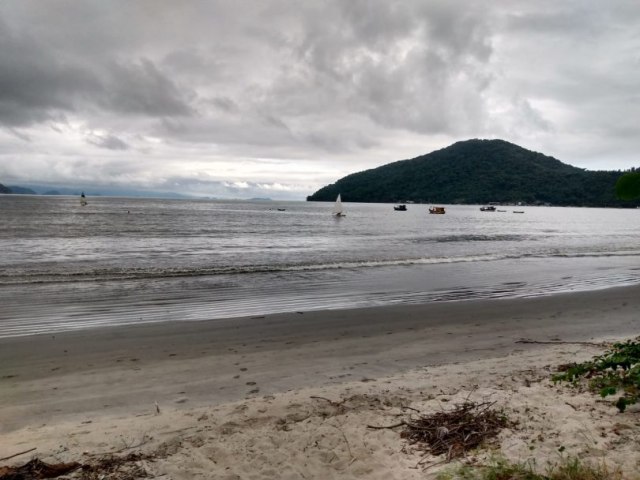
x,y
568,468
628,186
617,371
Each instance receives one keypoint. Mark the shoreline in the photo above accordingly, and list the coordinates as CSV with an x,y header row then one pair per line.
x,y
88,390
287,351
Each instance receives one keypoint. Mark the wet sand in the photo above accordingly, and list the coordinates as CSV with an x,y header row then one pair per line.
x,y
110,371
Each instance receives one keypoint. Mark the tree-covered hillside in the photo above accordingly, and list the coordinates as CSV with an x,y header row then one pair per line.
x,y
4,189
477,172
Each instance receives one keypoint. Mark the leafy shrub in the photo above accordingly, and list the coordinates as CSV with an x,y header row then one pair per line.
x,y
617,370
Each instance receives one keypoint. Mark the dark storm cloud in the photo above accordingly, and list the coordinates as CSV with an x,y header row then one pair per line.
x,y
140,88
34,85
40,84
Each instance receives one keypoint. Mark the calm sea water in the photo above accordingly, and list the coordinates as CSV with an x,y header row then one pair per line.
x,y
122,260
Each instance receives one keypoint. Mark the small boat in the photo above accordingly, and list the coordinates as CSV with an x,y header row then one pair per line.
x,y
488,208
337,208
400,208
282,209
518,211
83,200
437,210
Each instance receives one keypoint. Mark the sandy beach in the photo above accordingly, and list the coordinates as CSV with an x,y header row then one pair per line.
x,y
240,398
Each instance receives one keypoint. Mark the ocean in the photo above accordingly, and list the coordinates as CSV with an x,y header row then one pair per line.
x,y
129,260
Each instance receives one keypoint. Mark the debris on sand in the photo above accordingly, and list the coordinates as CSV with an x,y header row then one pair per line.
x,y
36,469
455,432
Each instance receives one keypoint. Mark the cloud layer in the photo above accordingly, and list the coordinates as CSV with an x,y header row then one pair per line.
x,y
276,98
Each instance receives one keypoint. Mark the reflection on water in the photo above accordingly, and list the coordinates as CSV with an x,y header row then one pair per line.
x,y
65,267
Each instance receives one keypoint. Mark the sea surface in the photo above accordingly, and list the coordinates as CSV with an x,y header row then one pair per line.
x,y
128,260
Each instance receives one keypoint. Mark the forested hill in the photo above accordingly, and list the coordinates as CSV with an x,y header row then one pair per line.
x,y
477,172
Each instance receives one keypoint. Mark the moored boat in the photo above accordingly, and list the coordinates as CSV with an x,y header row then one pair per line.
x,y
488,208
437,210
400,208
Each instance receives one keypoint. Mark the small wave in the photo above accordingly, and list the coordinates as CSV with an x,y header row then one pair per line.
x,y
116,274
602,254
480,238
144,273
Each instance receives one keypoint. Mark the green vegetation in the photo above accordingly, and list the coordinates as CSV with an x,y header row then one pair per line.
x,y
4,189
617,370
628,186
478,172
566,469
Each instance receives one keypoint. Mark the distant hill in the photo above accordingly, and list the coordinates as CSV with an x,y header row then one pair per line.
x,y
478,172
4,189
22,190
104,191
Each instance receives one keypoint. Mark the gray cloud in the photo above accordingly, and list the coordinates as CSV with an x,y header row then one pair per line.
x,y
140,88
296,94
110,142
39,83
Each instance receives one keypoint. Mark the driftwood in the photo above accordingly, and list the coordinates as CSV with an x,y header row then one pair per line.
x,y
331,402
36,469
560,342
453,433
18,454
109,466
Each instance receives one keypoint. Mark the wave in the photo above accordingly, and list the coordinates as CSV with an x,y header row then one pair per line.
x,y
49,312
17,277
480,238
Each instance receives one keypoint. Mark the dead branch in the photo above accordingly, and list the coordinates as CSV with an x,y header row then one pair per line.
x,y
331,402
560,342
37,469
454,432
382,427
18,454
572,406
404,407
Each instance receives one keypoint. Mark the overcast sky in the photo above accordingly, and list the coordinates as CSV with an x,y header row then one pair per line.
x,y
277,98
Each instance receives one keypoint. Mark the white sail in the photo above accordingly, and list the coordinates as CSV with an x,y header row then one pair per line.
x,y
337,208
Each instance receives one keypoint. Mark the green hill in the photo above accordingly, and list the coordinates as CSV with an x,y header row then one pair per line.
x,y
477,172
4,189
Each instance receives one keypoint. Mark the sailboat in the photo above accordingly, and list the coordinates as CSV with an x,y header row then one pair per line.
x,y
83,201
337,208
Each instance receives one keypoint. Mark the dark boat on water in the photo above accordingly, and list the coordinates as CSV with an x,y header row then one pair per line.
x,y
437,210
400,208
488,208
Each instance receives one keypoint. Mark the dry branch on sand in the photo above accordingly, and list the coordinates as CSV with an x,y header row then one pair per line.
x,y
109,466
35,469
457,431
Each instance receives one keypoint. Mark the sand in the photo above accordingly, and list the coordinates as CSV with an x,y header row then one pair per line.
x,y
237,398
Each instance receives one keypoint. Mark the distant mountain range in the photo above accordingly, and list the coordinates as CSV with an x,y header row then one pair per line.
x,y
48,190
479,172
